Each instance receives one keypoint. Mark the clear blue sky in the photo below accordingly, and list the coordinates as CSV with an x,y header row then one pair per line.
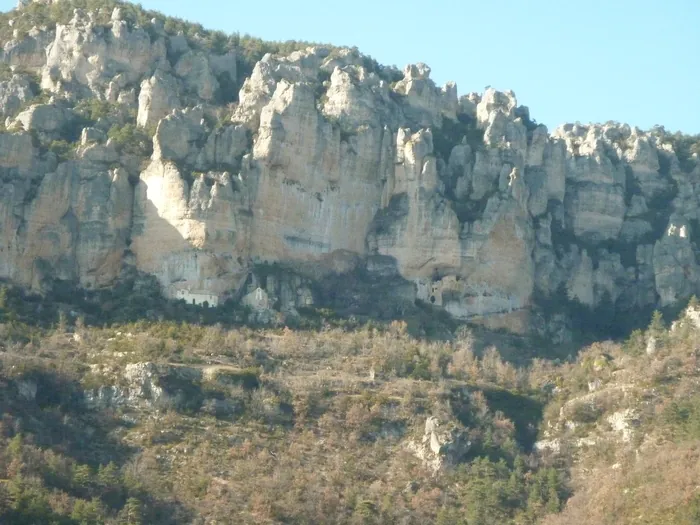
x,y
634,61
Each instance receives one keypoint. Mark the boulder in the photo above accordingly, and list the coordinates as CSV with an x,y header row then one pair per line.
x,y
47,119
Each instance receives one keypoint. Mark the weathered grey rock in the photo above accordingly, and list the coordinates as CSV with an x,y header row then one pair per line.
x,y
46,119
224,65
75,226
425,210
224,148
149,385
468,103
92,135
14,93
145,382
536,180
84,57
459,169
17,153
189,234
493,102
506,133
178,134
194,70
595,211
257,90
486,172
441,444
635,229
537,146
675,267
643,160
158,98
178,45
27,51
324,205
99,154
427,104
350,100
651,345
555,167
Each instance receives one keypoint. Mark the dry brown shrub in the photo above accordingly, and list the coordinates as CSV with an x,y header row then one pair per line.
x,y
653,489
479,402
491,365
464,363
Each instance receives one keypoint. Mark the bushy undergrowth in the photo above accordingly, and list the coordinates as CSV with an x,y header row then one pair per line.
x,y
303,426
626,414
294,426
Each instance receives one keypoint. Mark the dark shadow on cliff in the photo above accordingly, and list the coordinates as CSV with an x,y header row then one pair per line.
x,y
349,301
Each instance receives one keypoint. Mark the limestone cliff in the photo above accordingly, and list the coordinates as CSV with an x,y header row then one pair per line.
x,y
121,149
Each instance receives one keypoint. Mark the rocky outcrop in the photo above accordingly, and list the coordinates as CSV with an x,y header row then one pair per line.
x,y
46,120
158,97
27,51
14,93
441,444
187,233
151,386
675,269
327,163
196,74
86,58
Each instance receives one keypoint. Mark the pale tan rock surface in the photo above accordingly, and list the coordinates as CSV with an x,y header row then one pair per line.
x,y
327,163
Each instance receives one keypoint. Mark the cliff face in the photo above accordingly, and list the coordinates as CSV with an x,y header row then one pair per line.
x,y
326,163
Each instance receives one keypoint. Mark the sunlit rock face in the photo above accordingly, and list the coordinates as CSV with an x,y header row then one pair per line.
x,y
314,194
327,163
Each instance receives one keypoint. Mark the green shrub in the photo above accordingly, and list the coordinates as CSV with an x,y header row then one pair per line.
x,y
62,149
410,363
131,140
636,343
93,109
5,72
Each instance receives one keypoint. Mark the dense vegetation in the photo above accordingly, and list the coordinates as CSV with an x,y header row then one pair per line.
x,y
303,426
644,470
289,419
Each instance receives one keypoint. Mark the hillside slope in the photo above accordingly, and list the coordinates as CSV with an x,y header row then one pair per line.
x,y
160,422
627,417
